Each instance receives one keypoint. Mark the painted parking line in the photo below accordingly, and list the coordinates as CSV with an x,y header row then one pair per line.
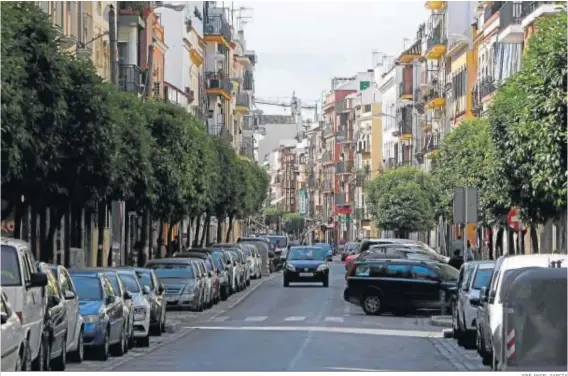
x,y
333,319
256,318
295,318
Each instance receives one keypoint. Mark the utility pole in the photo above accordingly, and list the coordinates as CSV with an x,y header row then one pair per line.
x,y
113,46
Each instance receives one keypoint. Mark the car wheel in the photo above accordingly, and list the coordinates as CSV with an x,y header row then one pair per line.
x,y
39,363
79,353
455,329
326,282
104,349
372,304
119,348
46,359
145,341
60,362
462,335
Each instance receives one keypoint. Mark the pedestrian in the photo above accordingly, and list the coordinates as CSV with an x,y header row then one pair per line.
x,y
457,260
458,245
468,253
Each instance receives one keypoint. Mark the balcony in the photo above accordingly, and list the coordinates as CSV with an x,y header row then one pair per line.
x,y
327,131
130,78
248,80
435,98
404,121
405,90
218,84
216,29
487,86
411,54
327,157
432,145
344,136
326,186
435,5
360,181
436,46
344,167
390,163
363,147
243,103
532,10
340,199
510,18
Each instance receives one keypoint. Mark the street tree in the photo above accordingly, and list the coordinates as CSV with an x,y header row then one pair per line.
x,y
528,124
391,189
293,223
227,182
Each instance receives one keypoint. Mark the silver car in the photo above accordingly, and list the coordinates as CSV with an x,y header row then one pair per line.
x,y
141,306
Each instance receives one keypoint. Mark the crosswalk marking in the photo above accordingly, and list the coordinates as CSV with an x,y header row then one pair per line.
x,y
295,318
220,319
333,319
256,318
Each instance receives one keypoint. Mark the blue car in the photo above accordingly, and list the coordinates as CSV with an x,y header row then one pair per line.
x,y
327,249
105,329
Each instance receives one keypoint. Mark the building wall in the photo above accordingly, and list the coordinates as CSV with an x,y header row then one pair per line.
x,y
388,90
101,46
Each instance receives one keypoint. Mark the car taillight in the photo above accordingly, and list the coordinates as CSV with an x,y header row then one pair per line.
x,y
350,271
20,317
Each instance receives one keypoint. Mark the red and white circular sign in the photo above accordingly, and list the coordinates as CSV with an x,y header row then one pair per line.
x,y
514,220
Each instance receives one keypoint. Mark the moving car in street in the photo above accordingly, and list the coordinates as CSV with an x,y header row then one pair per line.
x,y
15,352
24,286
74,319
141,306
105,324
398,286
328,251
306,264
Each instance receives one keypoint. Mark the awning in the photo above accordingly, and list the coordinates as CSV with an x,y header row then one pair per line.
x,y
274,202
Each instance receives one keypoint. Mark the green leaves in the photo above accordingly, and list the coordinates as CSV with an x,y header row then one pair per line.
x,y
403,200
293,223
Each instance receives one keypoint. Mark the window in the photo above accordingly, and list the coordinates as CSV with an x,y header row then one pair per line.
x,y
377,270
422,272
482,278
88,288
5,308
363,270
66,284
10,274
397,271
130,283
51,288
107,286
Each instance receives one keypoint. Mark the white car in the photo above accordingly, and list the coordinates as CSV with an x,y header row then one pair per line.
x,y
140,305
15,351
24,287
75,347
503,268
473,276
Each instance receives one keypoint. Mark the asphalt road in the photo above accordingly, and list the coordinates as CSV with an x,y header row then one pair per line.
x,y
299,328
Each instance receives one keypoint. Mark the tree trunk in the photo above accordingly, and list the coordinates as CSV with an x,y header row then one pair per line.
x,y
534,239
101,219
189,227
179,237
150,229
510,241
229,229
20,209
160,242
170,249
67,238
143,242
43,252
219,230
197,228
33,239
208,231
54,224
205,230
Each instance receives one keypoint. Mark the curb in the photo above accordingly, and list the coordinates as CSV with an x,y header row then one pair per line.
x,y
441,321
172,327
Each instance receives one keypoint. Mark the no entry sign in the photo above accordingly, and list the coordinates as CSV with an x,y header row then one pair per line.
x,y
514,220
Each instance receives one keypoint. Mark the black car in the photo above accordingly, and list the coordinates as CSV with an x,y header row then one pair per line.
x,y
306,264
54,335
399,286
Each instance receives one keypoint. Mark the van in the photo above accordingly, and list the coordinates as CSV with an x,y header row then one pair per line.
x,y
24,288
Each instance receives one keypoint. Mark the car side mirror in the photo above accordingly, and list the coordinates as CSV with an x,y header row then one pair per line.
x,y
37,280
161,288
52,301
4,317
69,295
475,302
146,290
127,295
110,299
210,274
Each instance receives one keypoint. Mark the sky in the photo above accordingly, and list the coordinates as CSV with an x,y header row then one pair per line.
x,y
301,45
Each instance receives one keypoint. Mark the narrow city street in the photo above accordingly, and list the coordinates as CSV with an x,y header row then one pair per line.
x,y
300,328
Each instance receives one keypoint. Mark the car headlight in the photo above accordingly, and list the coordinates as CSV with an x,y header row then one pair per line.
x,y
290,267
322,267
188,289
139,313
91,319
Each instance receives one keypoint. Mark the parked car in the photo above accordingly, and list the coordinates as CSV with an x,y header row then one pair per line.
x,y
238,258
24,286
212,272
401,250
349,249
179,276
219,260
103,312
55,325
75,351
483,336
280,244
141,306
231,264
473,276
155,294
273,260
252,261
398,286
208,281
15,348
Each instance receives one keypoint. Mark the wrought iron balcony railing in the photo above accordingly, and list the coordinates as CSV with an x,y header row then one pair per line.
x,y
217,25
510,14
218,81
130,78
340,199
344,167
243,99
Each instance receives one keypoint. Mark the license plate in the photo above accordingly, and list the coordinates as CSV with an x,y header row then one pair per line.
x,y
306,274
171,298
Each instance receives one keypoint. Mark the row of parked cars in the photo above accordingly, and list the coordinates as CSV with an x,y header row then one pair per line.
x,y
52,315
506,328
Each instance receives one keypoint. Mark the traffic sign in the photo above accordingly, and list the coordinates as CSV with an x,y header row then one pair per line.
x,y
514,220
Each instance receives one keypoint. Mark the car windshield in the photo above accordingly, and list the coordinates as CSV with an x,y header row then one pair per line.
x,y
281,240
10,267
448,273
323,245
88,288
482,278
130,282
306,253
175,273
113,278
145,279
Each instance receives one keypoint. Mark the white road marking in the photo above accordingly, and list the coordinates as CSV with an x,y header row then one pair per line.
x,y
358,369
333,319
256,318
295,318
219,319
369,331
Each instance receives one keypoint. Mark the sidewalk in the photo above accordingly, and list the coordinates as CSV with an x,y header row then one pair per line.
x,y
441,321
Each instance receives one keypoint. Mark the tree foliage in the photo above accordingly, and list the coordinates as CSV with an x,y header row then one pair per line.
x,y
272,215
403,200
467,159
528,124
293,223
